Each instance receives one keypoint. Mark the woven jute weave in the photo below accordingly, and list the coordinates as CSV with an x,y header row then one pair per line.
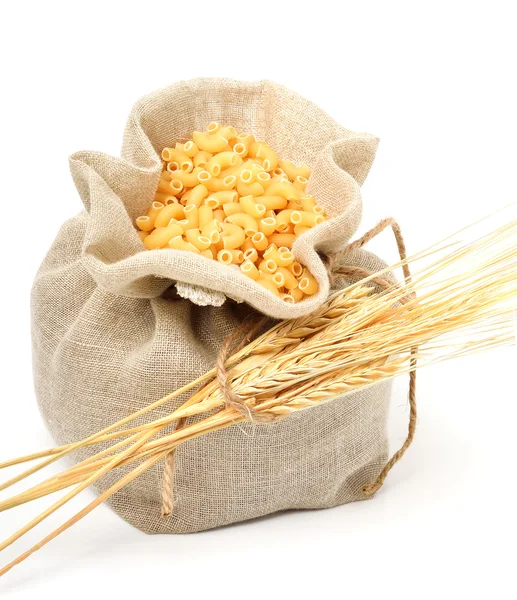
x,y
109,338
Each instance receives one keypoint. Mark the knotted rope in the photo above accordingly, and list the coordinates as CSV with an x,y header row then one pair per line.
x,y
243,334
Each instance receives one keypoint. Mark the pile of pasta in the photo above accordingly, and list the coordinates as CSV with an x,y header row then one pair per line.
x,y
230,198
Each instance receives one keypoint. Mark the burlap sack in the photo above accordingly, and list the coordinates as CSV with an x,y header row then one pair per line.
x,y
107,341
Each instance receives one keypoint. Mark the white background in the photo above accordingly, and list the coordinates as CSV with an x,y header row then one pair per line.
x,y
436,82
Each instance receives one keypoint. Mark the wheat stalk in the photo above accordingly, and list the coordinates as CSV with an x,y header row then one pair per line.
x,y
357,339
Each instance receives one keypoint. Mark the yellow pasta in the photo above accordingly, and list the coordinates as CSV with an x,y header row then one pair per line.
x,y
269,156
299,229
288,298
267,226
159,237
219,215
283,188
300,217
226,196
156,207
263,178
173,155
178,243
190,149
269,285
171,188
230,256
233,236
292,171
290,281
282,259
201,159
145,223
205,215
296,294
228,132
277,279
308,203
273,202
300,183
197,194
219,198
187,179
286,257
282,239
163,197
210,142
283,220
249,189
247,246
171,211
268,266
192,216
211,230
308,284
242,144
249,269
216,184
196,239
260,241
245,221
231,208
251,207
220,161
250,253
296,269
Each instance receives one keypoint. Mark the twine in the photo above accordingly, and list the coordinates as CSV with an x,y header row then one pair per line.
x,y
344,271
247,331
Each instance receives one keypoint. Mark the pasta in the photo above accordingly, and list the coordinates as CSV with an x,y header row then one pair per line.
x,y
228,197
222,160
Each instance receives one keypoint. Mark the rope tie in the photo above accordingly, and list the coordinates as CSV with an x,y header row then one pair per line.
x,y
246,332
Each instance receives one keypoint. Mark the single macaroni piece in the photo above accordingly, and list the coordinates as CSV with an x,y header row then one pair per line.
x,y
161,236
245,221
293,172
269,285
273,202
232,208
205,215
201,159
230,256
187,179
249,268
145,223
220,161
267,226
233,236
210,142
178,157
171,211
196,195
251,207
178,243
219,198
228,197
249,189
156,207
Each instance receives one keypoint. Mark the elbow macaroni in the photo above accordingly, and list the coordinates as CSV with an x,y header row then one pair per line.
x,y
229,197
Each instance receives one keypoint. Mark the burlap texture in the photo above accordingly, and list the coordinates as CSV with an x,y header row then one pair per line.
x,y
107,343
